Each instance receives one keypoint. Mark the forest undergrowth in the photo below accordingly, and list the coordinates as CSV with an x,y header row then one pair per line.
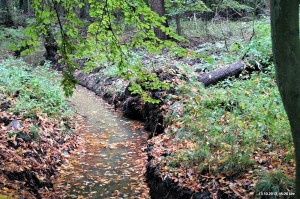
x,y
37,129
231,138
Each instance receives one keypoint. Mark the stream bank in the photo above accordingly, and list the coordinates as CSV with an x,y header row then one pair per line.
x,y
152,116
115,92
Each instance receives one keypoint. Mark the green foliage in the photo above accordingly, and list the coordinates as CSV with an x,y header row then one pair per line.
x,y
177,7
260,46
234,164
232,4
36,90
10,38
274,182
111,71
181,157
247,5
34,132
231,116
102,35
231,41
142,81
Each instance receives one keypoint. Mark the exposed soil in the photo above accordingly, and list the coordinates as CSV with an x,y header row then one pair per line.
x,y
165,187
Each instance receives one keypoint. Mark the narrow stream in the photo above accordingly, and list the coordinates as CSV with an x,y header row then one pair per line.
x,y
111,162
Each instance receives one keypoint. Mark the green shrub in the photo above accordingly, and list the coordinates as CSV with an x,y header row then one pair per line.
x,y
229,118
259,49
36,89
235,164
274,182
10,38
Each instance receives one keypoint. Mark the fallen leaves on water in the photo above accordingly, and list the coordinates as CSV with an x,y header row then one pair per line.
x,y
105,169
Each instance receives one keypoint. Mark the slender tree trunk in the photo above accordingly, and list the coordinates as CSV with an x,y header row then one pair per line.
x,y
60,9
158,6
84,11
286,50
178,25
267,2
51,47
28,7
77,11
25,6
21,4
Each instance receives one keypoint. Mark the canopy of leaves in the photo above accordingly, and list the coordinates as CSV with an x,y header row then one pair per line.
x,y
99,38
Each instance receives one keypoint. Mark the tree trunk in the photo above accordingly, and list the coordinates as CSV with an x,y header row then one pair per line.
x,y
158,6
84,11
28,7
267,2
21,2
286,50
77,11
51,47
25,6
178,25
5,15
220,74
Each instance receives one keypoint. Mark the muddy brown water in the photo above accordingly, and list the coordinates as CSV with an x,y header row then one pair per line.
x,y
111,161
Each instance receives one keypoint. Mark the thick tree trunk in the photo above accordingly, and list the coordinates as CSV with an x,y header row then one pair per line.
x,y
215,76
286,50
158,6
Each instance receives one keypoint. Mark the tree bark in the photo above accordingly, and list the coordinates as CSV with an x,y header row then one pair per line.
x,y
25,7
5,15
158,6
286,50
84,11
215,76
267,2
178,25
51,47
21,2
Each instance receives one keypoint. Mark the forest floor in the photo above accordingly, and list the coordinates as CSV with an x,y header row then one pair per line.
x,y
216,142
231,139
34,143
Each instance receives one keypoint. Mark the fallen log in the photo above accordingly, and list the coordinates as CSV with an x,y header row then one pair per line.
x,y
217,75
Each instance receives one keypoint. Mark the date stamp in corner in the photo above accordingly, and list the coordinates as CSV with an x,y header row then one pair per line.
x,y
276,193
